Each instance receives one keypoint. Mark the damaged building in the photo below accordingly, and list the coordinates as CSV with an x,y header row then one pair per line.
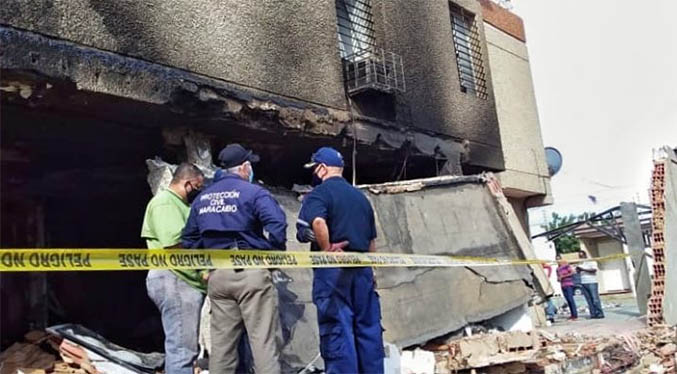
x,y
406,90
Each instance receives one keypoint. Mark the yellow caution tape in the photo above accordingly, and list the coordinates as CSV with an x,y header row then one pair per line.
x,y
50,259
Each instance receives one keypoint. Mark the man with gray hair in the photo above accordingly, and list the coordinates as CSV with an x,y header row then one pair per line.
x,y
233,213
178,294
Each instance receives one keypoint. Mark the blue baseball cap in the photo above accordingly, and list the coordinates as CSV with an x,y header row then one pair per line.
x,y
235,154
326,155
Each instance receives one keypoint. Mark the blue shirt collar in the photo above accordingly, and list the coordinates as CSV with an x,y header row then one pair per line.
x,y
224,174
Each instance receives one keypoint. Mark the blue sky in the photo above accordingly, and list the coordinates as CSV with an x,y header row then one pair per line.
x,y
605,75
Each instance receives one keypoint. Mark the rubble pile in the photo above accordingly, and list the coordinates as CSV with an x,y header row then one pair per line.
x,y
658,349
649,351
484,350
48,353
41,353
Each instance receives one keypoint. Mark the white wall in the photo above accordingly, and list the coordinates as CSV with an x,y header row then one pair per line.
x,y
526,170
613,275
545,250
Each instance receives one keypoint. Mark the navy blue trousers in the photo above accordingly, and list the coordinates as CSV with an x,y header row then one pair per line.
x,y
349,318
569,296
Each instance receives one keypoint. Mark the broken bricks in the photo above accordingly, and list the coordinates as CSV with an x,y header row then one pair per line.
x,y
72,353
652,350
487,350
31,356
38,355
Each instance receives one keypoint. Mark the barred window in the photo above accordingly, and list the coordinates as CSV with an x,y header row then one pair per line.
x,y
468,51
355,26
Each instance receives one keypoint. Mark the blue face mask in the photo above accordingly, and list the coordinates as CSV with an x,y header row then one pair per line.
x,y
251,174
316,181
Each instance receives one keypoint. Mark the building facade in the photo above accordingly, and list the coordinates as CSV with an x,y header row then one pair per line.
x,y
91,89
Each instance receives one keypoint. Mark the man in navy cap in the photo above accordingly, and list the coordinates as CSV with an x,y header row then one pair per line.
x,y
336,216
233,213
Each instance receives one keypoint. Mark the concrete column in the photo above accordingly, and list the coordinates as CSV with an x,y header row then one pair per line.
x,y
635,244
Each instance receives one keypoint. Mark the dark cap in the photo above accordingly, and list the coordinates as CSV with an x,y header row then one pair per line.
x,y
234,155
326,155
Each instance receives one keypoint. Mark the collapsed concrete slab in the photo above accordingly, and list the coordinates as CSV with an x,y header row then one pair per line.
x,y
449,215
441,216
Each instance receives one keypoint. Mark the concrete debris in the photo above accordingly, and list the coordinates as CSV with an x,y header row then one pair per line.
x,y
36,353
393,359
71,353
652,350
487,350
49,353
39,354
418,362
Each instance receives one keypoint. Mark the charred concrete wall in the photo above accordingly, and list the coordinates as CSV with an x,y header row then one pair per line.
x,y
280,48
418,304
286,47
421,32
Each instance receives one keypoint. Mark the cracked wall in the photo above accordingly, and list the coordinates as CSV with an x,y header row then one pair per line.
x,y
422,303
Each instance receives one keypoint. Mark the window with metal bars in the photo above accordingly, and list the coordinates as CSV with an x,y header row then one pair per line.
x,y
355,26
468,51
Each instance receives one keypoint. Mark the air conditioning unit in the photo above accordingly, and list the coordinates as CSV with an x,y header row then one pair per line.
x,y
373,69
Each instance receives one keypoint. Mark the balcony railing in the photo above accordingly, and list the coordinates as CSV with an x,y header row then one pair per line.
x,y
374,69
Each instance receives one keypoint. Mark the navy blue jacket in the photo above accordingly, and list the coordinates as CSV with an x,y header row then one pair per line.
x,y
348,213
232,213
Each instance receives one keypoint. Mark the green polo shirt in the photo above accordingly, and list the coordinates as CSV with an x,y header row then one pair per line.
x,y
165,217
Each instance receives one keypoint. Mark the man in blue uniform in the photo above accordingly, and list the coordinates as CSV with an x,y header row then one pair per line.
x,y
337,216
233,213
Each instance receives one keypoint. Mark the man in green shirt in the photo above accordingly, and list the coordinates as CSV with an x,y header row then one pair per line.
x,y
178,294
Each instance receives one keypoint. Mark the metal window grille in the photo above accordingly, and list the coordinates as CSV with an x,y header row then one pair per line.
x,y
374,69
468,51
355,26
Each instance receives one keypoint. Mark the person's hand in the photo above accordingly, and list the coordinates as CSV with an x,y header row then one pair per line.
x,y
205,276
337,247
308,235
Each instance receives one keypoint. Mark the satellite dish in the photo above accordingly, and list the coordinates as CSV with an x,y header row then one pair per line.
x,y
554,160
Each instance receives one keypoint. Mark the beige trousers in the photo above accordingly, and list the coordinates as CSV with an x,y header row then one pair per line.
x,y
244,300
